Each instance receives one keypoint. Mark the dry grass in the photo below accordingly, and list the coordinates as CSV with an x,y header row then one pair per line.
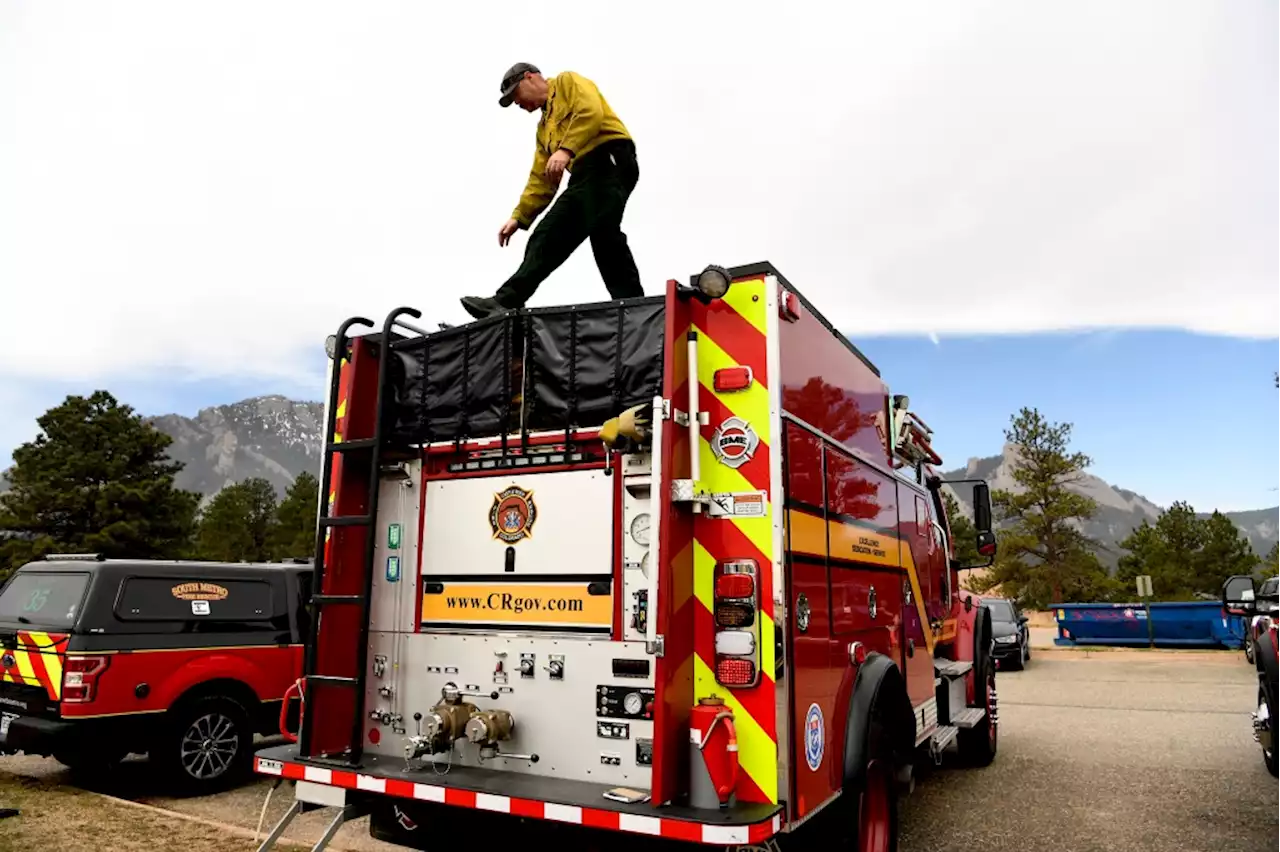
x,y
55,817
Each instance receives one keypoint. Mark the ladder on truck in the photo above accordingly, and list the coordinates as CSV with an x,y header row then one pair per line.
x,y
342,585
337,583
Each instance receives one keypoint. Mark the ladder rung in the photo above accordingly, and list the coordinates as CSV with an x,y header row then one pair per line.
x,y
347,521
328,599
335,680
358,444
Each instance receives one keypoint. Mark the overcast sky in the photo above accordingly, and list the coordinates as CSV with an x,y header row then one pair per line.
x,y
204,190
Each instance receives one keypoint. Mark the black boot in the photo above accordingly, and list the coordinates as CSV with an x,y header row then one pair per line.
x,y
482,307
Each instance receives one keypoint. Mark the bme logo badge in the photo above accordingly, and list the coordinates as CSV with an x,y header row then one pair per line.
x,y
734,442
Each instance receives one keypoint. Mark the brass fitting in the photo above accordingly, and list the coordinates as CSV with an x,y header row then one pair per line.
x,y
488,726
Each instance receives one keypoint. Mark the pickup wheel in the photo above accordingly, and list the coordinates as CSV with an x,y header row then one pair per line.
x,y
207,744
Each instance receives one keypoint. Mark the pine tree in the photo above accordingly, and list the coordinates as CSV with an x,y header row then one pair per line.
x,y
1043,556
238,523
1226,552
294,534
1185,555
1270,564
96,479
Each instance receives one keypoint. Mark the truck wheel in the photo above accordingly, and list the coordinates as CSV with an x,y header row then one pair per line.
x,y
877,826
207,745
978,744
1269,754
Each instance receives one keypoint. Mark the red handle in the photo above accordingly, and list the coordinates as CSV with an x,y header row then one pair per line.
x,y
296,686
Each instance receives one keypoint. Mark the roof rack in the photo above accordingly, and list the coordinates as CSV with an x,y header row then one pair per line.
x,y
74,557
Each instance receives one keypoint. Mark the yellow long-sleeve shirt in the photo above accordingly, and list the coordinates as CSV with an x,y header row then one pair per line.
x,y
576,117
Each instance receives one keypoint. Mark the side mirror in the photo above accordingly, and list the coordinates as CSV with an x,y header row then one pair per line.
x,y
1022,619
984,534
1238,596
982,507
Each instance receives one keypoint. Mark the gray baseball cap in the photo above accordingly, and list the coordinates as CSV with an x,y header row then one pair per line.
x,y
512,79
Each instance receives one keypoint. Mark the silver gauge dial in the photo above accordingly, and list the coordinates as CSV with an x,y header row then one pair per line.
x,y
633,703
640,529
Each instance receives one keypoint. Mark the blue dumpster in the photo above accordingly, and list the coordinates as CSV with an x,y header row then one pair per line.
x,y
1201,624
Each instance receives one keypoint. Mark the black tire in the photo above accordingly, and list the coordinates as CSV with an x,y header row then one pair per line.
x,y
869,809
1269,755
206,744
978,745
1028,649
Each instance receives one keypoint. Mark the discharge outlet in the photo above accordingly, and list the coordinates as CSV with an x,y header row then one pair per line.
x,y
489,726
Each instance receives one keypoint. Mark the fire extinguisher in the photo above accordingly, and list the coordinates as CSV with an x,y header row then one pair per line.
x,y
714,763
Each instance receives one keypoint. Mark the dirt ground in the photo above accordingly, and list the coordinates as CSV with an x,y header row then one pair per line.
x,y
54,816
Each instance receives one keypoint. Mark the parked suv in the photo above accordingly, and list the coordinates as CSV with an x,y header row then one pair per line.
x,y
1010,632
184,661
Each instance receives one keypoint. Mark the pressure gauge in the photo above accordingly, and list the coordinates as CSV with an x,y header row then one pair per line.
x,y
633,704
644,564
640,529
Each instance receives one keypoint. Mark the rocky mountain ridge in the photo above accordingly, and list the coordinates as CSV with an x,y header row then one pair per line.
x,y
1119,509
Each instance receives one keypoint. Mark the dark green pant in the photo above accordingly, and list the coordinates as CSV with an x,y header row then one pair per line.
x,y
591,208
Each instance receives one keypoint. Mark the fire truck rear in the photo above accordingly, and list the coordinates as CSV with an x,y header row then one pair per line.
x,y
674,566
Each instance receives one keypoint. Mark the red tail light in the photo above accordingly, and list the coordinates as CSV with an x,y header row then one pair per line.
x,y
739,585
80,678
737,628
735,671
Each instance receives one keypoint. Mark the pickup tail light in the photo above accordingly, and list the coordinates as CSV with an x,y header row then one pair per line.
x,y
737,627
80,678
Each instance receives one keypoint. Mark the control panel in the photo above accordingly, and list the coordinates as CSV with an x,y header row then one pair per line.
x,y
622,702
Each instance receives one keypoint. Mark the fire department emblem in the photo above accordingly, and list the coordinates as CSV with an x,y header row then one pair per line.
x,y
512,514
813,737
734,442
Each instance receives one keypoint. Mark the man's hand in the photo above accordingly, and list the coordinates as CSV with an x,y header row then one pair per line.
x,y
555,166
505,232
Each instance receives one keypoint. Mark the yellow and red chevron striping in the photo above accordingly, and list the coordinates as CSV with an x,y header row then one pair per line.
x,y
731,333
37,661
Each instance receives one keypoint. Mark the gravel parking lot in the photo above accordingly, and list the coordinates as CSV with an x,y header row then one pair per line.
x,y
1118,751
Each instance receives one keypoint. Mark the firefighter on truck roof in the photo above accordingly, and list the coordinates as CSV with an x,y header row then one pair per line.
x,y
579,133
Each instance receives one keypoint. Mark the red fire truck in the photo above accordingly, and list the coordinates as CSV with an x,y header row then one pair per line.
x,y
674,566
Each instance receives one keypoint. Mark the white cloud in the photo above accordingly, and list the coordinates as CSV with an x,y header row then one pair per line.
x,y
209,189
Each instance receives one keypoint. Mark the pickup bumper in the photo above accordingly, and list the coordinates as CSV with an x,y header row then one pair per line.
x,y
37,736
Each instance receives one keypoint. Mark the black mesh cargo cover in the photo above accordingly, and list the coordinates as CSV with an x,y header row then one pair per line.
x,y
534,371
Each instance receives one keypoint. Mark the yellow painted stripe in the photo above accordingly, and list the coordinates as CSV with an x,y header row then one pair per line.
x,y
718,479
52,663
704,569
809,535
739,298
24,666
752,404
757,752
342,410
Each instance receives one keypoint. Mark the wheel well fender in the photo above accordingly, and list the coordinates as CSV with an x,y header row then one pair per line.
x,y
237,690
879,693
1265,656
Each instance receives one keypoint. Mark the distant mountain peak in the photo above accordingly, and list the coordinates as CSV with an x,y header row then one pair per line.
x,y
269,436
1120,510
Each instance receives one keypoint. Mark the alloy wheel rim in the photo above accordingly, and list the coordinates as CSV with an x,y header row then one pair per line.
x,y
209,746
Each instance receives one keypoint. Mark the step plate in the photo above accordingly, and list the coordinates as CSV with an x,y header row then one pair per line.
x,y
952,669
968,717
943,737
